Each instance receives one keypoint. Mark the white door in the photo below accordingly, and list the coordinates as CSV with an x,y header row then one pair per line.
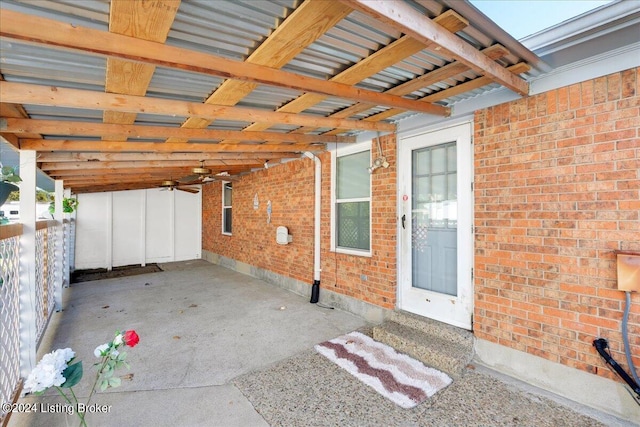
x,y
436,234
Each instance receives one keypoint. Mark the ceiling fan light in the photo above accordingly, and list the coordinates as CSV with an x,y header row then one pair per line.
x,y
201,171
168,183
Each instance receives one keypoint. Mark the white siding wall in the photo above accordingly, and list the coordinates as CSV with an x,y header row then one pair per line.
x,y
137,227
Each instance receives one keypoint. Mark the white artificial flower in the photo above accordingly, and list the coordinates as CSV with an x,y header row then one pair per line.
x,y
118,340
66,353
48,372
61,357
114,354
101,350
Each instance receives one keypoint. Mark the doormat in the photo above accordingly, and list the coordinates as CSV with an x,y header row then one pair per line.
x,y
398,377
102,273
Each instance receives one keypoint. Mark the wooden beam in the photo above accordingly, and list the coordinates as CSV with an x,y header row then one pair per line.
x,y
405,18
19,26
16,111
445,72
71,128
155,179
195,157
11,139
92,188
161,147
142,173
387,56
86,166
22,93
305,25
140,19
452,91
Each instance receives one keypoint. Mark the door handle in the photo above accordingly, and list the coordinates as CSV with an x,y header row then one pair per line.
x,y
404,218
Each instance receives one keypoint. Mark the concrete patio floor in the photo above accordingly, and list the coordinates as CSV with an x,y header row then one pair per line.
x,y
219,348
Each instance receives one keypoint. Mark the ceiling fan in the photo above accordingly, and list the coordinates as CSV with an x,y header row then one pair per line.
x,y
171,185
201,175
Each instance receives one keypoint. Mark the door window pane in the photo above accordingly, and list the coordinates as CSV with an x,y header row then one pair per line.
x,y
434,219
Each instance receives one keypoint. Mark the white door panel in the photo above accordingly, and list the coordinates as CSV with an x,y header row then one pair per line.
x,y
436,236
188,233
137,227
159,236
128,228
93,231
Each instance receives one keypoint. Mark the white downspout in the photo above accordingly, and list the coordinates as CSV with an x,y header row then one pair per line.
x,y
315,289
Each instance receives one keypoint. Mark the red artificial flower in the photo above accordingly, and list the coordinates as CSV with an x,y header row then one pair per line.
x,y
131,338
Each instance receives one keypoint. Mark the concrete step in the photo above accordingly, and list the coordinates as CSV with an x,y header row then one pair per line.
x,y
435,344
433,327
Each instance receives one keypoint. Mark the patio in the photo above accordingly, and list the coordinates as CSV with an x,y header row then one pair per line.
x,y
221,348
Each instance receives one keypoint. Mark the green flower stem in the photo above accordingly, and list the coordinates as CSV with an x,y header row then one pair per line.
x,y
81,416
98,374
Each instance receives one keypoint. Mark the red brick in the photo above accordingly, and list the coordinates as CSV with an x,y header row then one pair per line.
x,y
582,202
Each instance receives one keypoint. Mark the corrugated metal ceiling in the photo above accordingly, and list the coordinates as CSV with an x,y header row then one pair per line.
x,y
234,29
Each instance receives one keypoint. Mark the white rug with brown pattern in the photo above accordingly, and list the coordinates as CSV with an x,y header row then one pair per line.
x,y
398,377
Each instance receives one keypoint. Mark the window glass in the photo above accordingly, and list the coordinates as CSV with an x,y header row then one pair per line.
x,y
226,207
353,225
353,201
353,176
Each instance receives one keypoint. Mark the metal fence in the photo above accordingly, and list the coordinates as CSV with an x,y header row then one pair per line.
x,y
9,316
45,274
51,271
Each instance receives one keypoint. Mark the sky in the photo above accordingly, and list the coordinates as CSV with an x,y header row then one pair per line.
x,y
521,18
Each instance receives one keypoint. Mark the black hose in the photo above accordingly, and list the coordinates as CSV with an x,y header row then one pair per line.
x,y
601,346
625,337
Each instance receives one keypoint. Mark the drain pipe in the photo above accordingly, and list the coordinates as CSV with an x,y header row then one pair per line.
x,y
315,289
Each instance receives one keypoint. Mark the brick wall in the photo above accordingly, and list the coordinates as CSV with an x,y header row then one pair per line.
x,y
371,279
290,187
557,191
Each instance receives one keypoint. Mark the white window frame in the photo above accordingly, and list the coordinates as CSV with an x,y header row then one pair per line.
x,y
225,207
345,151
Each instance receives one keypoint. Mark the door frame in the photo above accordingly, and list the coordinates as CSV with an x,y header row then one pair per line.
x,y
454,310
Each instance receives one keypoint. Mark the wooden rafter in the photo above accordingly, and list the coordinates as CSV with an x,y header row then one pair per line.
x,y
308,22
15,111
160,147
452,91
23,93
138,164
404,18
131,185
27,127
120,154
448,71
372,64
141,19
196,157
15,25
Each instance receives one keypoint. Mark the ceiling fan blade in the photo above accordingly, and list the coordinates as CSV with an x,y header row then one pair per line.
x,y
188,190
190,178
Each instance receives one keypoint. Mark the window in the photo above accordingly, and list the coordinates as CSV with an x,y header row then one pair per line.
x,y
226,207
352,202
